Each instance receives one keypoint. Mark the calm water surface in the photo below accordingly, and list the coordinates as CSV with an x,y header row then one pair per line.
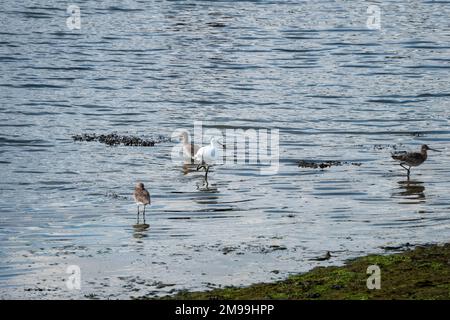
x,y
335,90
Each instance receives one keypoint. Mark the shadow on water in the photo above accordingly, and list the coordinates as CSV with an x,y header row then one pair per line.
x,y
204,185
140,230
410,190
189,167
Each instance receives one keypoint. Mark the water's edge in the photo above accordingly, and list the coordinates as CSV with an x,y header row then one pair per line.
x,y
421,273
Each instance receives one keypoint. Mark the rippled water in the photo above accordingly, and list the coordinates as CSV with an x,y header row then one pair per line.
x,y
334,88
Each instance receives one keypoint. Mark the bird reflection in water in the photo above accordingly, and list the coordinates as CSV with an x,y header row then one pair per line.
x,y
140,230
411,190
204,184
188,168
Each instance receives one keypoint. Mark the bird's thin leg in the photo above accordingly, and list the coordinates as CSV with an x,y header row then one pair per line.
x,y
138,215
408,170
144,214
206,172
206,176
201,165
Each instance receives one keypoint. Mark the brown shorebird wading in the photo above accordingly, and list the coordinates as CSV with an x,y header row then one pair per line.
x,y
189,149
412,159
141,197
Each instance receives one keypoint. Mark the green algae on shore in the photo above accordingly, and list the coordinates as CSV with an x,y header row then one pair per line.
x,y
421,273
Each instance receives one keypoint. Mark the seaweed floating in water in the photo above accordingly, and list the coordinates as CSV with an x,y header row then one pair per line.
x,y
325,164
115,196
387,146
114,139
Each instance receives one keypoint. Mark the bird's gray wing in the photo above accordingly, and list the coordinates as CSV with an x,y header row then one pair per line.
x,y
147,196
415,156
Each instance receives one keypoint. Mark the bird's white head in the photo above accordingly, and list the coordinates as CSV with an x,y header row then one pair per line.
x,y
216,140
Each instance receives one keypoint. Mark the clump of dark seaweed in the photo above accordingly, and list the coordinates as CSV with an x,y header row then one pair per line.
x,y
116,196
115,139
325,164
387,146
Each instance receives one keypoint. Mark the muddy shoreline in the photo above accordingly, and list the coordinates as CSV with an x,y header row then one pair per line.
x,y
422,272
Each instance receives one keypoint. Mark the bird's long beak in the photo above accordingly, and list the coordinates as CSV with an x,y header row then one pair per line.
x,y
223,146
434,150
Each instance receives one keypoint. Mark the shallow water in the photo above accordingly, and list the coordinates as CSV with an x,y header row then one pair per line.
x,y
335,89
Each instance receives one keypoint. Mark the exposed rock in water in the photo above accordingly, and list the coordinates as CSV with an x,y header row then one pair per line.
x,y
327,256
325,164
401,247
114,139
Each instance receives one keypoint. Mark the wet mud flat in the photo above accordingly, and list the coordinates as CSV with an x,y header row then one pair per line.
x,y
419,273
115,139
113,284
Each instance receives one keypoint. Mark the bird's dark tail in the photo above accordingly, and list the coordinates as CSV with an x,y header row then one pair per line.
x,y
398,155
